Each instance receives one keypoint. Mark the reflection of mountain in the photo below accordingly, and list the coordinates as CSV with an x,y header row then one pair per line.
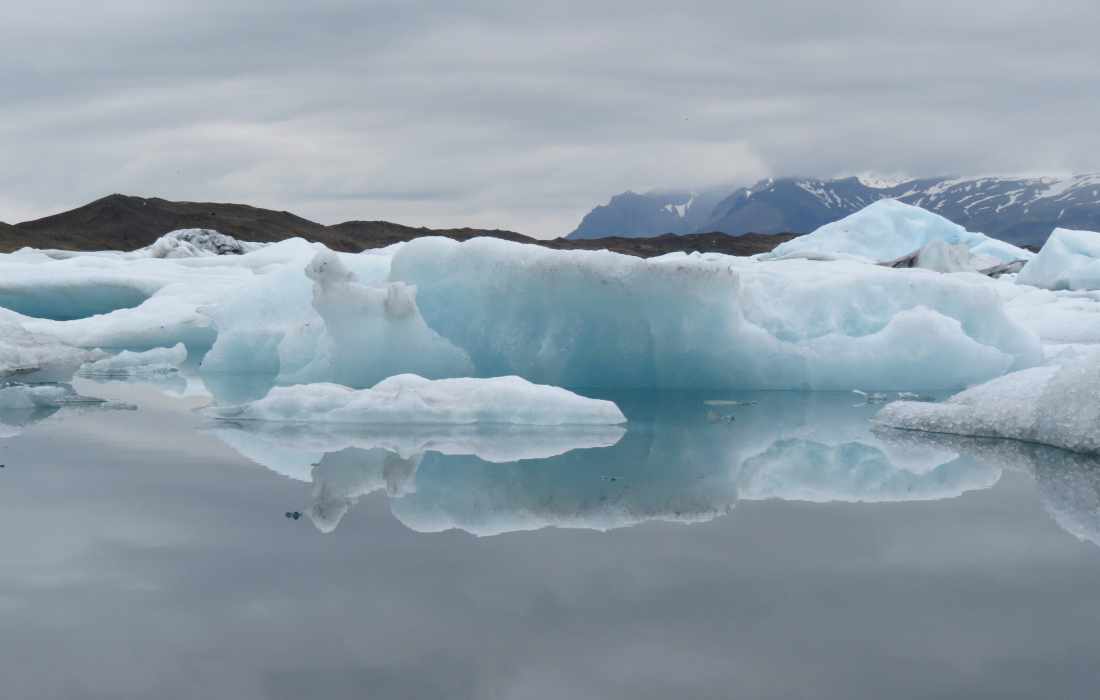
x,y
1068,483
675,463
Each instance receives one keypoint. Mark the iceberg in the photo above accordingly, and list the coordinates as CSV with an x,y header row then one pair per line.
x,y
1068,260
411,399
1054,405
598,319
888,230
155,361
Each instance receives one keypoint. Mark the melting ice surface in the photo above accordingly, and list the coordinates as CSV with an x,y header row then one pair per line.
x,y
594,561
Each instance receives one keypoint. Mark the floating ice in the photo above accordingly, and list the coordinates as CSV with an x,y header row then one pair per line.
x,y
408,398
155,361
1054,405
887,230
1068,260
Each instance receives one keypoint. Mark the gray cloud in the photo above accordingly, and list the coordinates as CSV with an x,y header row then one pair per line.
x,y
502,114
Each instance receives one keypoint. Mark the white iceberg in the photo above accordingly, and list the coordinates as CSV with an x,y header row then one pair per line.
x,y
1068,260
888,229
411,399
1055,405
155,361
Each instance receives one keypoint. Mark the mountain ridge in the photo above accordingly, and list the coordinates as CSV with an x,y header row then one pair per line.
x,y
1021,210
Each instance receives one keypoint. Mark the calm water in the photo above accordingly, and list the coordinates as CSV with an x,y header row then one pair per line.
x,y
788,552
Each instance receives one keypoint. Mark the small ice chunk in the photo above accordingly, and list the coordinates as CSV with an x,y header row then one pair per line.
x,y
1053,405
155,361
408,398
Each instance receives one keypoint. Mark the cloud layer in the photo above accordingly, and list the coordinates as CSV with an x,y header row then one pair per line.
x,y
508,115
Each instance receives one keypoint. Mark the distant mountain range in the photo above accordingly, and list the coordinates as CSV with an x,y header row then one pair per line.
x,y
121,222
1020,210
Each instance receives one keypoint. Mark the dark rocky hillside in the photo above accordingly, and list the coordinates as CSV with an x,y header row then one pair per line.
x,y
121,222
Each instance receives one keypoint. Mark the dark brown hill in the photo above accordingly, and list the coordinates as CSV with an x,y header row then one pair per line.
x,y
121,222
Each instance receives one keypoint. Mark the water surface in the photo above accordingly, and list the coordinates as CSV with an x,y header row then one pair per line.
x,y
775,550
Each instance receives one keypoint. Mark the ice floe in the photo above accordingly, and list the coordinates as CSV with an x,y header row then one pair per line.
x,y
411,399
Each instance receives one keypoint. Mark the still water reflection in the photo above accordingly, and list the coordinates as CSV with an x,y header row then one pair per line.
x,y
765,545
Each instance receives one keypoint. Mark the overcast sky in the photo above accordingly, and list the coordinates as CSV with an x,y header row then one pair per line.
x,y
524,115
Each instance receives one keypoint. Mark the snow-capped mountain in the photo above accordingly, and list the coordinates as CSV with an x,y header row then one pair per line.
x,y
1016,209
650,214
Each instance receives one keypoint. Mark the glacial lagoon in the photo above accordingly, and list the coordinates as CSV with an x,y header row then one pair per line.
x,y
726,544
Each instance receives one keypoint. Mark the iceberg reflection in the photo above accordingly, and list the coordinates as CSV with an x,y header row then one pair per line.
x,y
674,462
1068,483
